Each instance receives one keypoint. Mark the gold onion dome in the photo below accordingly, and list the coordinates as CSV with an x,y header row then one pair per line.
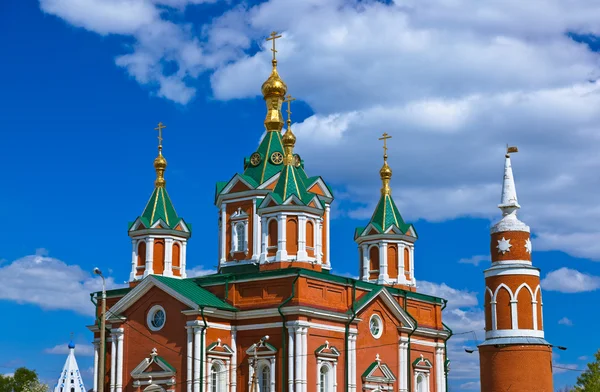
x,y
160,164
274,86
386,171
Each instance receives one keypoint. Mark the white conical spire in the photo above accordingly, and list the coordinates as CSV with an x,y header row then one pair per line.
x,y
508,202
70,379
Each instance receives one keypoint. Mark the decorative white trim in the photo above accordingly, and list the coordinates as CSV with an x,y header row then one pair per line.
x,y
508,333
375,317
151,313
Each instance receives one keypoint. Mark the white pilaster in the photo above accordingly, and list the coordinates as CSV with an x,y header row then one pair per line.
x,y
401,272
494,323
304,357
403,371
319,240
168,257
133,260
281,241
298,355
223,232
302,255
204,361
113,362
383,268
190,358
183,261
233,359
197,363
272,374
411,253
291,335
365,262
440,381
119,384
352,362
327,238
264,240
535,319
255,232
96,362
149,256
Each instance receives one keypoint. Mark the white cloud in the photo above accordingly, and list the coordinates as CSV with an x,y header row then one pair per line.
x,y
199,271
475,260
565,321
469,386
63,349
567,280
583,358
50,283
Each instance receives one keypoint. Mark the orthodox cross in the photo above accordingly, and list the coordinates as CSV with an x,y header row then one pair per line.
x,y
159,128
273,37
384,138
289,100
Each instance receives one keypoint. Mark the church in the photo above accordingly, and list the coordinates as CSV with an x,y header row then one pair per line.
x,y
274,317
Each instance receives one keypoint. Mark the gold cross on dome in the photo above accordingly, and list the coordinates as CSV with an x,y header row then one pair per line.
x,y
385,137
273,37
289,100
159,128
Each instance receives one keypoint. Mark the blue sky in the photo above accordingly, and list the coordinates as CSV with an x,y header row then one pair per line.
x,y
85,82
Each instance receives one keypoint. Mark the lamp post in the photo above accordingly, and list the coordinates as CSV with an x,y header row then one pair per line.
x,y
260,343
102,333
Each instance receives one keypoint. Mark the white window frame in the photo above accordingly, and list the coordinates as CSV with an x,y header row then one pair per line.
x,y
222,376
331,366
239,218
153,310
425,375
380,321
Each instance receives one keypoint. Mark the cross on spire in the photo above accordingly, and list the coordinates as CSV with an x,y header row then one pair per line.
x,y
289,100
159,128
273,37
384,137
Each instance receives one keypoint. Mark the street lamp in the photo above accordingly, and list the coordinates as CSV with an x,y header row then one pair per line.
x,y
102,333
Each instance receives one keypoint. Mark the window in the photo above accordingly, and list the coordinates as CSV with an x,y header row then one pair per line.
x,y
325,379
156,318
241,236
264,379
376,326
421,383
217,377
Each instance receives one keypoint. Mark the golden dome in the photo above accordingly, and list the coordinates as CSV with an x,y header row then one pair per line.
x,y
274,86
160,164
288,139
385,172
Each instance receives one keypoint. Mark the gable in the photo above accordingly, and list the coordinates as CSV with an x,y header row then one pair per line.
x,y
387,301
153,367
263,349
317,190
378,372
239,187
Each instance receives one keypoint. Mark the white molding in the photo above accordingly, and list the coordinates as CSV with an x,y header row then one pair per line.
x,y
258,326
509,333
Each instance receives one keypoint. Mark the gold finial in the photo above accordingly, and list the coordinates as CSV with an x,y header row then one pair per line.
x,y
160,163
289,139
273,37
511,150
386,171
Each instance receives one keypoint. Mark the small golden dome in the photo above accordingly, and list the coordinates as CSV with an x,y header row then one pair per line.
x,y
274,86
385,172
288,139
160,163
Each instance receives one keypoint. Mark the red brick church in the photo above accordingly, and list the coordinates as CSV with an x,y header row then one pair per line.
x,y
274,317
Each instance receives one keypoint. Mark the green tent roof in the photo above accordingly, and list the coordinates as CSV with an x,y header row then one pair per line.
x,y
266,169
290,182
386,214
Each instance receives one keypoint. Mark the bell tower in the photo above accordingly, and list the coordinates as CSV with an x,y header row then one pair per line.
x,y
515,355
159,236
386,244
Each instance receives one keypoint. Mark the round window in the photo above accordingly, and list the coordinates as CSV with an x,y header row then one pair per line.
x,y
156,318
376,326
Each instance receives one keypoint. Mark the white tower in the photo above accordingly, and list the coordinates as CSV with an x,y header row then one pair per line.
x,y
70,379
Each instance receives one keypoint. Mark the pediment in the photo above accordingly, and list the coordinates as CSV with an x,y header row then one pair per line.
x,y
236,184
270,183
327,351
262,349
319,187
378,372
218,348
422,363
153,367
390,303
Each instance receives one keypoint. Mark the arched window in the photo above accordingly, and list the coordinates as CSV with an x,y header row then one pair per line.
x,y
240,232
176,255
264,379
374,262
272,237
325,379
217,378
158,263
141,254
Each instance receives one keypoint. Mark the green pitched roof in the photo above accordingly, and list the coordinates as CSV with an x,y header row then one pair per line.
x,y
160,207
266,169
189,289
289,183
386,214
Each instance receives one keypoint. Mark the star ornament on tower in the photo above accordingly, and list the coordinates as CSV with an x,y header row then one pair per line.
x,y
504,245
528,246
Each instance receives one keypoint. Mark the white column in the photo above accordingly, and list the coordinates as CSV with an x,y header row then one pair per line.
x,y
119,386
335,376
182,263
291,335
327,238
264,239
302,255
403,371
255,232
190,358
149,257
133,260
304,357
272,374
493,306
197,364
113,361
96,362
168,257
352,362
298,355
535,321
319,240
281,242
223,232
233,359
401,272
365,262
440,376
204,360
383,271
411,253
514,314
